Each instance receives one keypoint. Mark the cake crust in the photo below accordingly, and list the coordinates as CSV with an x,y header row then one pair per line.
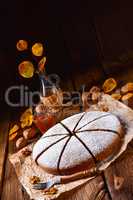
x,y
79,142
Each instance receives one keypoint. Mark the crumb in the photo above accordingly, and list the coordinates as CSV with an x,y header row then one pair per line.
x,y
34,179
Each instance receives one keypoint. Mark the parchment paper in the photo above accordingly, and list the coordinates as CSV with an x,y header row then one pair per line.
x,y
26,168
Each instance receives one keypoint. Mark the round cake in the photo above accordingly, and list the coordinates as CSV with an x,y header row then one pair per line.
x,y
79,142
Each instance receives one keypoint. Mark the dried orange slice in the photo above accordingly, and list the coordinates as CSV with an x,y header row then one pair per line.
x,y
41,64
37,49
13,132
13,136
127,88
116,96
128,99
26,118
22,45
109,85
127,96
26,69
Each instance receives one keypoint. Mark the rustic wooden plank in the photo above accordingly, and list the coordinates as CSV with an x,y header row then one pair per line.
x,y
11,186
88,191
91,77
91,190
25,195
67,85
81,41
122,168
113,25
3,148
11,182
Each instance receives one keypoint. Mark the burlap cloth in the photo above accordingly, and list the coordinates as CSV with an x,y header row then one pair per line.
x,y
26,168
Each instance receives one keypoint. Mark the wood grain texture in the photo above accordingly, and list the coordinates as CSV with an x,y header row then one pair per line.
x,y
113,26
122,168
89,78
4,125
11,187
89,191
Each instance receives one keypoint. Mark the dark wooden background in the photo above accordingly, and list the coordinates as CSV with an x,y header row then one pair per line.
x,y
79,36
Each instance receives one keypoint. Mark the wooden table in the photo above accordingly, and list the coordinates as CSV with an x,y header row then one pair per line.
x,y
105,186
102,187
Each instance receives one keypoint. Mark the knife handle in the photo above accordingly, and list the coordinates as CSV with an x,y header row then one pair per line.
x,y
79,175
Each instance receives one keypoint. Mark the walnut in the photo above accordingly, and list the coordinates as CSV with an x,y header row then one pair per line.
x,y
34,180
40,108
50,191
29,133
96,96
103,107
26,152
20,143
94,89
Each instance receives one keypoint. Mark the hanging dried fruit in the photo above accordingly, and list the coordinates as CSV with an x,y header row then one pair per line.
x,y
26,69
109,85
41,65
26,118
127,88
37,49
22,45
13,132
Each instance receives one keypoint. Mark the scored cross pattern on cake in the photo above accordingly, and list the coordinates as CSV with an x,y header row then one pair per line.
x,y
81,126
